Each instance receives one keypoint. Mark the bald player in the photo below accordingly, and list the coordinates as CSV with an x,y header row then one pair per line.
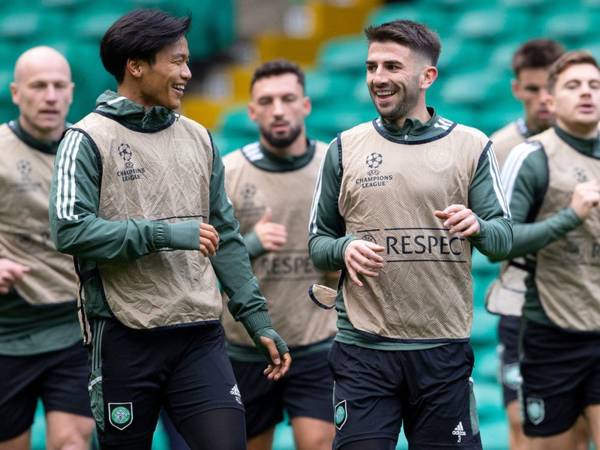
x,y
41,354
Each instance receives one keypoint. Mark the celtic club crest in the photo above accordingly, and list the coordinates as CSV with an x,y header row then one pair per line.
x,y
120,415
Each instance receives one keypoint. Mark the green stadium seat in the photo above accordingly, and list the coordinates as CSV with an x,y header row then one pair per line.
x,y
325,123
469,89
489,401
484,327
324,88
433,18
486,364
460,56
494,433
91,23
66,5
593,47
346,55
19,24
569,28
6,77
490,24
228,143
284,437
237,123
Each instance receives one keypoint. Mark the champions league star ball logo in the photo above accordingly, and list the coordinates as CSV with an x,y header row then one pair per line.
x,y
374,160
125,152
24,168
248,191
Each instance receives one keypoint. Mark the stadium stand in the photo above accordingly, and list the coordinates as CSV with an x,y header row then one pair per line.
x,y
478,37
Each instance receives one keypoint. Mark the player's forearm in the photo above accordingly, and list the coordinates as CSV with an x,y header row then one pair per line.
x,y
327,253
532,237
495,237
96,239
253,244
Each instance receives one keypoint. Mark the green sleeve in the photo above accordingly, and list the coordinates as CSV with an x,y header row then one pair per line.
x,y
74,202
253,244
487,201
526,185
327,233
231,262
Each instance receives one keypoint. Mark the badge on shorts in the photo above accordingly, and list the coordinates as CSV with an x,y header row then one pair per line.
x,y
120,415
341,414
535,410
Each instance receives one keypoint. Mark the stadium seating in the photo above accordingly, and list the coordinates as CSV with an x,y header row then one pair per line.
x,y
75,28
478,40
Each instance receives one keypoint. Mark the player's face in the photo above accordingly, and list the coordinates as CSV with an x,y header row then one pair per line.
x,y
576,96
279,107
163,83
530,89
43,93
393,79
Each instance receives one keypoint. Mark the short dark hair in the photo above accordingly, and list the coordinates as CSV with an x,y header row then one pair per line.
x,y
139,34
536,54
567,60
277,67
411,34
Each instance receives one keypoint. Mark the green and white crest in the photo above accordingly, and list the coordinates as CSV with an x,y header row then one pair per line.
x,y
340,414
536,410
120,415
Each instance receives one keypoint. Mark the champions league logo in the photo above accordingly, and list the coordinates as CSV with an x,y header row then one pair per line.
x,y
124,151
373,179
24,183
369,238
248,191
24,168
130,172
374,160
580,175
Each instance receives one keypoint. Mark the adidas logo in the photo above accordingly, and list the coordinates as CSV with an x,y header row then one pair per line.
x,y
459,432
236,393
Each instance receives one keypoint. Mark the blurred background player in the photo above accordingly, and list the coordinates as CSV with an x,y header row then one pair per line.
x,y
552,184
397,208
41,353
530,65
268,183
151,246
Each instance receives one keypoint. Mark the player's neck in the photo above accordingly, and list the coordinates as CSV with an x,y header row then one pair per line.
x,y
579,130
40,135
296,148
419,113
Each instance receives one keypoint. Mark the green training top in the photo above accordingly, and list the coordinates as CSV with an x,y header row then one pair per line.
x,y
92,239
27,329
328,239
525,179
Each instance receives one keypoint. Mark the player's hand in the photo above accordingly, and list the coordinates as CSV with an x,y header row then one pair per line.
x,y
209,239
276,350
280,364
586,196
272,236
10,273
361,258
460,220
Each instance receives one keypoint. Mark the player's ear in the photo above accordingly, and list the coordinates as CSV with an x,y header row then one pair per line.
x,y
428,76
134,67
516,89
252,111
